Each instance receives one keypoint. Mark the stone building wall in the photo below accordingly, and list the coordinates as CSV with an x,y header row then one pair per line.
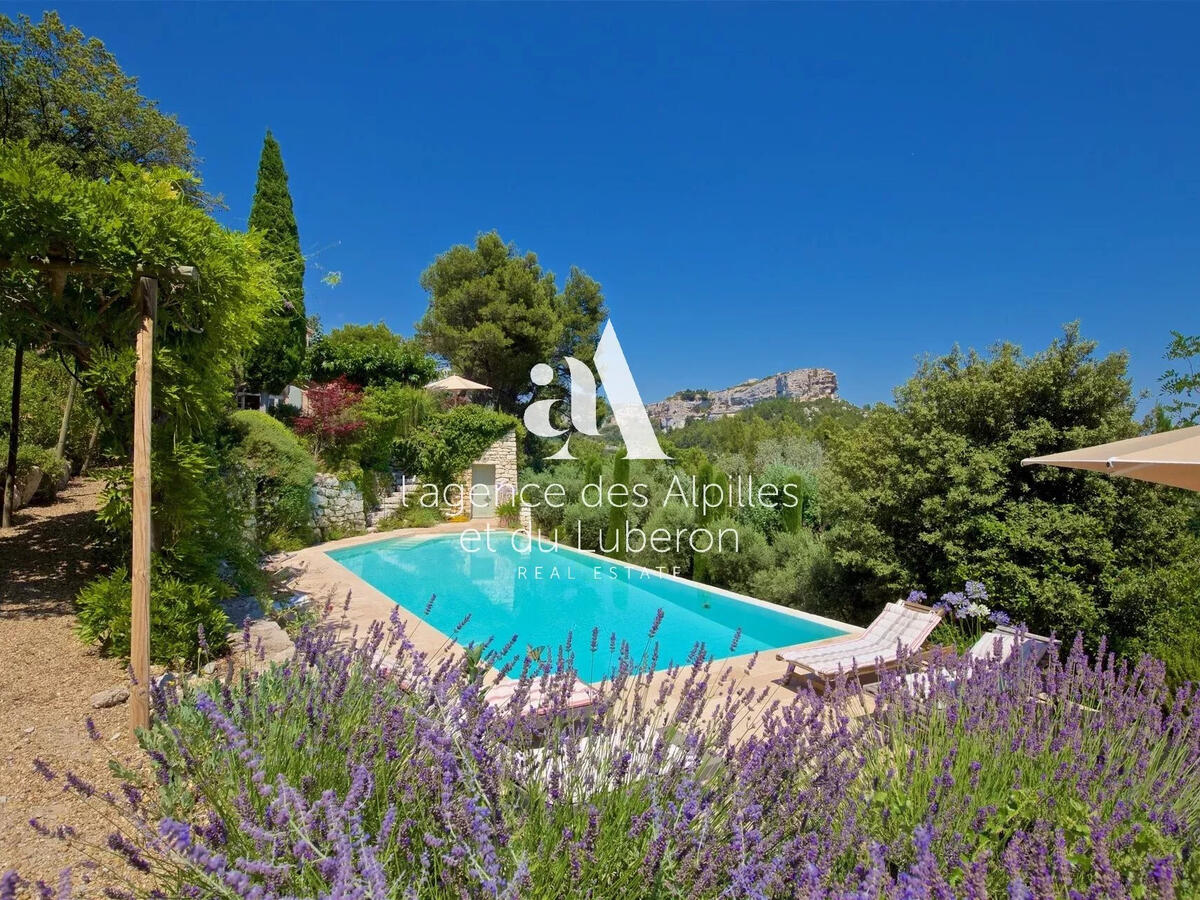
x,y
503,455
339,504
336,504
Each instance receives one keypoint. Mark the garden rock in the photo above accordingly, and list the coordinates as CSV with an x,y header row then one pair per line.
x,y
282,656
114,696
26,487
273,638
239,609
164,681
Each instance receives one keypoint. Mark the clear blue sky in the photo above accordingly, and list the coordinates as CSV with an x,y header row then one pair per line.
x,y
757,187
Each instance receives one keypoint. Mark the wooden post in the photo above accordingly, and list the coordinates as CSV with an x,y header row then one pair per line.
x,y
145,298
10,478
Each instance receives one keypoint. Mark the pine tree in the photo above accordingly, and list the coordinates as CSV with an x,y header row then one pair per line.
x,y
277,358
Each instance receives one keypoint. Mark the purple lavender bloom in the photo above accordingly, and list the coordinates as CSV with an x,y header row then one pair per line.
x,y
80,786
338,777
658,618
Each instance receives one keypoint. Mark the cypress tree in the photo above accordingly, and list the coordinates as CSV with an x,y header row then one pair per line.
x,y
277,358
706,476
618,515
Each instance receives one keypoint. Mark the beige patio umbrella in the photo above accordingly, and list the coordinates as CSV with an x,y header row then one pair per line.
x,y
1169,457
457,387
456,383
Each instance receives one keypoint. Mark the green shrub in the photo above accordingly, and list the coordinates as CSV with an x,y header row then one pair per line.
x,y
410,517
44,386
800,576
456,438
736,562
374,484
369,355
1162,607
284,412
285,542
392,414
27,457
509,512
199,518
583,526
281,470
675,557
339,532
52,468
177,613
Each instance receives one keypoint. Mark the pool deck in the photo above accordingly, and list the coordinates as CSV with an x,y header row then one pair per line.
x,y
315,573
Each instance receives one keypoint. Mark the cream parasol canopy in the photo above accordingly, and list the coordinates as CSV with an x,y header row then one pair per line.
x,y
456,383
1169,457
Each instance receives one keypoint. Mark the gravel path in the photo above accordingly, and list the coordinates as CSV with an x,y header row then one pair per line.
x,y
46,679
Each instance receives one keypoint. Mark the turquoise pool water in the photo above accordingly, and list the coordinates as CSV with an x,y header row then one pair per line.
x,y
543,593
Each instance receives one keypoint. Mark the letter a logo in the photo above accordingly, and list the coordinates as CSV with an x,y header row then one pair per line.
x,y
628,409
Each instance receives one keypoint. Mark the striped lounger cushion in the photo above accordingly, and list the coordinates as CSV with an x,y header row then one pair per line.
x,y
581,696
896,624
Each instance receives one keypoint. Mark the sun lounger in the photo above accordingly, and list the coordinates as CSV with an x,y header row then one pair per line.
x,y
1002,645
578,702
580,699
899,630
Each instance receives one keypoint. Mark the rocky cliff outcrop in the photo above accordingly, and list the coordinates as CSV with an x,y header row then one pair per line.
x,y
798,384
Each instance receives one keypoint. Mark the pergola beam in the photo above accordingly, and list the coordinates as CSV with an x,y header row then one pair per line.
x,y
72,267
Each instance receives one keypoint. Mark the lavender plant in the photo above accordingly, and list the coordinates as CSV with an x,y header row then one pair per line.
x,y
365,769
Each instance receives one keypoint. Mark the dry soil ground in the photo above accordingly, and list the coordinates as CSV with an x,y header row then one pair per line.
x,y
46,679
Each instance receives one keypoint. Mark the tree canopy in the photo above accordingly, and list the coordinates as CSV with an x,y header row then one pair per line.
x,y
367,355
64,92
279,353
135,220
932,492
1182,380
494,313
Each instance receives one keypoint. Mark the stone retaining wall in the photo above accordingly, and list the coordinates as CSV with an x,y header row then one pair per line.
x,y
339,504
336,504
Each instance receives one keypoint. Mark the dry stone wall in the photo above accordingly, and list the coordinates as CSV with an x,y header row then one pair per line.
x,y
336,504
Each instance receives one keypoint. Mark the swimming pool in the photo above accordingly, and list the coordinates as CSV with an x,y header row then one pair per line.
x,y
542,593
